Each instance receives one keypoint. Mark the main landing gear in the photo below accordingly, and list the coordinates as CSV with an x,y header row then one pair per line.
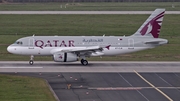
x,y
84,62
31,62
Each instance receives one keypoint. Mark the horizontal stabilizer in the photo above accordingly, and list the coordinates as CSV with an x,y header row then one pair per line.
x,y
162,41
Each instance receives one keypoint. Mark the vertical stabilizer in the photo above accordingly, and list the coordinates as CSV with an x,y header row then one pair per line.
x,y
151,27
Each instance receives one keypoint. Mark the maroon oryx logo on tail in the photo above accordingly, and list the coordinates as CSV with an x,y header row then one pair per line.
x,y
153,26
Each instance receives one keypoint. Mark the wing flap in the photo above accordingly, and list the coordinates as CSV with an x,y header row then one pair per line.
x,y
78,49
91,48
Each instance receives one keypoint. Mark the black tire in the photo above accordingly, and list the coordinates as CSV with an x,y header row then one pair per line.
x,y
31,62
84,62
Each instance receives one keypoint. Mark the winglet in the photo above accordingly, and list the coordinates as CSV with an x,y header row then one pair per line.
x,y
108,47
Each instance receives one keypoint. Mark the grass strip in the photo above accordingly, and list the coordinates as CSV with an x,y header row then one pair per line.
x,y
22,88
96,6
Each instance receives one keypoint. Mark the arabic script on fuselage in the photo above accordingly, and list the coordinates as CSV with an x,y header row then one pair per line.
x,y
92,40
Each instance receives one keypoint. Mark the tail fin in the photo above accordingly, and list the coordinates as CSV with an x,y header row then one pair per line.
x,y
151,27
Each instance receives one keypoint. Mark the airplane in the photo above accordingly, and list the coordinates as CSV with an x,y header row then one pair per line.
x,y
74,48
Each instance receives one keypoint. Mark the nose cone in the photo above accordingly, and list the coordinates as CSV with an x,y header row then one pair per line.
x,y
10,49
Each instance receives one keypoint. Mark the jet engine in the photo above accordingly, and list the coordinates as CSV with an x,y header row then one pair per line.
x,y
65,57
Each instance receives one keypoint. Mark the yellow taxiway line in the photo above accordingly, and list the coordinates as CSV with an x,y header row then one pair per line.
x,y
153,86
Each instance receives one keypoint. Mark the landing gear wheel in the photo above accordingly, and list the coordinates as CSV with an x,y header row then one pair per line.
x,y
84,62
31,62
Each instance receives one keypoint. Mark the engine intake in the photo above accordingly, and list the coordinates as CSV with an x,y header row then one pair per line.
x,y
65,57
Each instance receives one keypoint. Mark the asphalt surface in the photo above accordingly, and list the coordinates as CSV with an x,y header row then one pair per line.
x,y
104,81
84,12
113,86
93,66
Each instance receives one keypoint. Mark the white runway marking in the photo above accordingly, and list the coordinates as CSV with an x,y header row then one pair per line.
x,y
94,66
129,88
21,67
84,12
132,86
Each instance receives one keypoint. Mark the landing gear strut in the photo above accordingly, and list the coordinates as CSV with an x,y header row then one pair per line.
x,y
31,62
84,62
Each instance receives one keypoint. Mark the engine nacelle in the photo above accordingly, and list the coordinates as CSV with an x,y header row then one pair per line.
x,y
65,57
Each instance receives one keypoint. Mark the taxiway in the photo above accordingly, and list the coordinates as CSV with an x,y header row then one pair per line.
x,y
104,81
112,86
110,66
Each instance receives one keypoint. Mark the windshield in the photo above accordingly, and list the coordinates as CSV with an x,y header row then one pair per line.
x,y
18,42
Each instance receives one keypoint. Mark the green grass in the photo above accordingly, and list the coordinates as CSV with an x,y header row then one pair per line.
x,y
98,6
16,26
21,88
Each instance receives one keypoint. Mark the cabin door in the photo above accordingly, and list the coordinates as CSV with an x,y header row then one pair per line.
x,y
31,43
130,43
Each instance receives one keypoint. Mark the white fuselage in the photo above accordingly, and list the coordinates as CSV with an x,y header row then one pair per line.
x,y
47,45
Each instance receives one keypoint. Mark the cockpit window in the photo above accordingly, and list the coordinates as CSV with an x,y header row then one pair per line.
x,y
19,42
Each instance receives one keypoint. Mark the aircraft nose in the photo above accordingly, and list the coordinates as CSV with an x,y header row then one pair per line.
x,y
10,49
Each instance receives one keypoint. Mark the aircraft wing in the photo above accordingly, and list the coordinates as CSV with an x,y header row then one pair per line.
x,y
83,49
88,51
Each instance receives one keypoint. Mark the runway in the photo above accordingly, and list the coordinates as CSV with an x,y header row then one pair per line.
x,y
104,81
84,12
98,66
112,86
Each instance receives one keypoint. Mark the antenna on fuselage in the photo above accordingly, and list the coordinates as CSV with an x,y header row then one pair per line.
x,y
33,35
103,35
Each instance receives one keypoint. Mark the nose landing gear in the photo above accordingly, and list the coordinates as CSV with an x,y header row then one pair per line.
x,y
31,62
